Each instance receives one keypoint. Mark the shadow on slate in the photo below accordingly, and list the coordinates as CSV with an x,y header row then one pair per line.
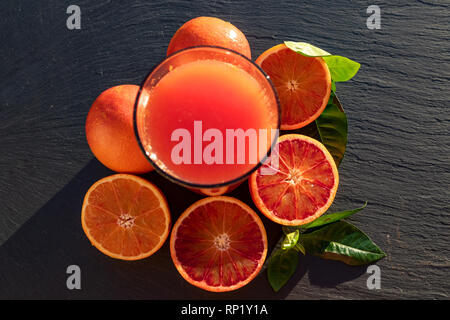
x,y
321,273
35,259
330,273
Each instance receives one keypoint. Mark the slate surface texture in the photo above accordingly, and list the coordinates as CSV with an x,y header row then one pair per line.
x,y
397,155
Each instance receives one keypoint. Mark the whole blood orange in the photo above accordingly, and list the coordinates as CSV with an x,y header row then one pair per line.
x,y
303,84
125,217
210,31
110,133
303,186
218,244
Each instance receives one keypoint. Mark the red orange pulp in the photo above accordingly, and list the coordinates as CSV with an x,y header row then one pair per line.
x,y
125,217
218,244
303,186
303,84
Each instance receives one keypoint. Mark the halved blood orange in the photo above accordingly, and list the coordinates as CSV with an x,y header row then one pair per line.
x,y
125,217
303,186
303,84
218,244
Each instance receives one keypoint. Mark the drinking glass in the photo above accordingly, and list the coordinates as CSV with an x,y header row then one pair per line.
x,y
143,110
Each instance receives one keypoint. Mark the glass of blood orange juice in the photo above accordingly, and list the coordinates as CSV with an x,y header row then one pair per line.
x,y
206,118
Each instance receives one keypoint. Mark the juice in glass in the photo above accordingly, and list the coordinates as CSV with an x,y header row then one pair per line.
x,y
208,119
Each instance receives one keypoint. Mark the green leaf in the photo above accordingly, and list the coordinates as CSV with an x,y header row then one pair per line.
x,y
332,217
300,248
341,241
281,267
306,49
288,229
341,68
330,128
290,240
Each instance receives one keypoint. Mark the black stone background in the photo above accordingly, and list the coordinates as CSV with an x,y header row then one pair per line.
x,y
397,155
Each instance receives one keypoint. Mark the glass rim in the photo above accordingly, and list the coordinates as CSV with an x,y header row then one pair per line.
x,y
193,184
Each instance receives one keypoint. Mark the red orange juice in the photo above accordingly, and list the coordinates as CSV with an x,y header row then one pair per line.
x,y
199,122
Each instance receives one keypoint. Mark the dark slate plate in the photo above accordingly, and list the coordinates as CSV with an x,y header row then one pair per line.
x,y
397,155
